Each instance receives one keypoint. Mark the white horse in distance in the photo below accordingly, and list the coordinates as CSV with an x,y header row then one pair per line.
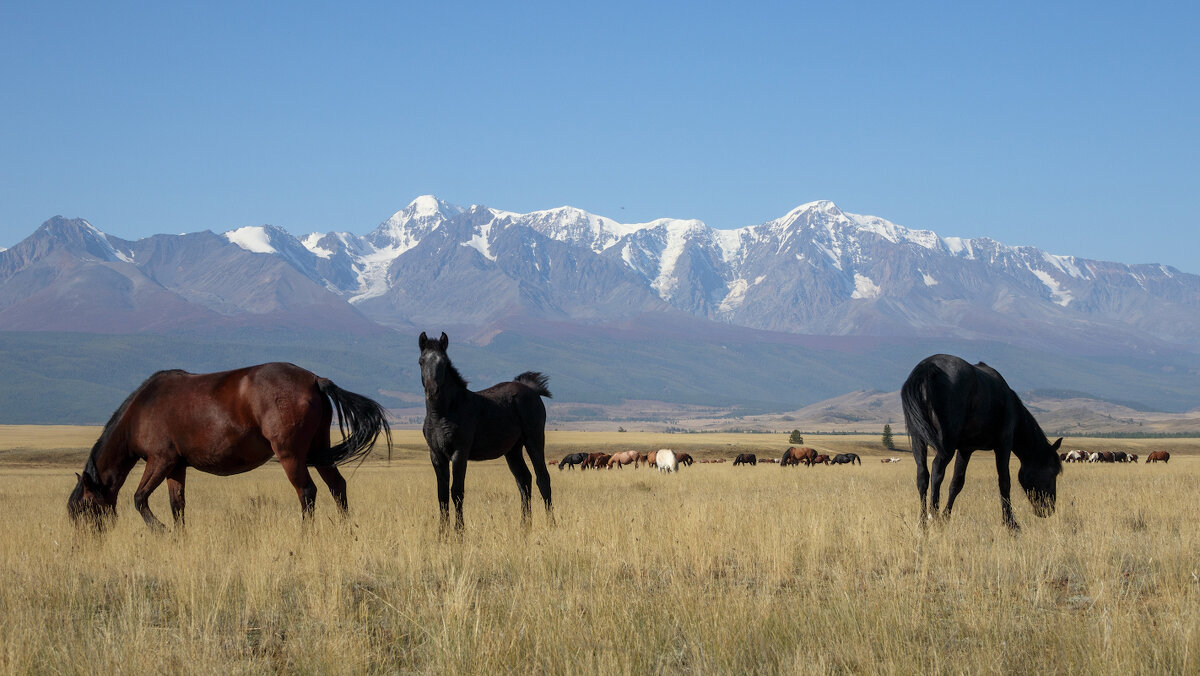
x,y
666,460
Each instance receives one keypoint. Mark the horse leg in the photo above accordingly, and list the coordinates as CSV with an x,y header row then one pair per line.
x,y
956,482
939,473
157,470
1005,482
543,484
516,465
920,451
535,446
175,490
458,471
441,468
337,485
306,488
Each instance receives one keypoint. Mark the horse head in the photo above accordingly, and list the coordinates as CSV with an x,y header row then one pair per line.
x,y
91,503
435,364
1039,478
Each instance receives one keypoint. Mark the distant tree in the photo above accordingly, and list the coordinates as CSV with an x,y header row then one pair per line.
x,y
796,438
888,442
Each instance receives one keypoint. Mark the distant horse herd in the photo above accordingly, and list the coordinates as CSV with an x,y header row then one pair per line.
x,y
233,421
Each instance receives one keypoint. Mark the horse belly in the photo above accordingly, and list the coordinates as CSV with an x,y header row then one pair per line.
x,y
235,458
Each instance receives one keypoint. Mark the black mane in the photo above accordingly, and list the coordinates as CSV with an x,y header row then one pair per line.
x,y
1029,435
89,469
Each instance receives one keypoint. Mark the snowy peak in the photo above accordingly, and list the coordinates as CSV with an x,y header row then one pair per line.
x,y
406,227
428,207
81,237
256,238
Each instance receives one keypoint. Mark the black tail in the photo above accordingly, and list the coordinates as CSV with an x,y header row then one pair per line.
x,y
535,381
917,409
363,416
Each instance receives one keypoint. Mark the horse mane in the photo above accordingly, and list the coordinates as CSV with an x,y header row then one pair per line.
x,y
538,382
89,469
452,374
1029,434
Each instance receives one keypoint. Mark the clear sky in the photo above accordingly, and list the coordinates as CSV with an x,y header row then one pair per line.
x,y
1073,127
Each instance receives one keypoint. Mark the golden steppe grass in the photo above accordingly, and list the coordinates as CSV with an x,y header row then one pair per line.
x,y
715,569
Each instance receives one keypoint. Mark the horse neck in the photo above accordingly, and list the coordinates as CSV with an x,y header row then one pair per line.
x,y
1029,441
444,397
111,460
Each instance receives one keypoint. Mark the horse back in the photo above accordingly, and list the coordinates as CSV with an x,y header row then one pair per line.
x,y
225,422
971,404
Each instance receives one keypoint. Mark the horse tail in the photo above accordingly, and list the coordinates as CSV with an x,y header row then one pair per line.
x,y
535,381
914,397
363,416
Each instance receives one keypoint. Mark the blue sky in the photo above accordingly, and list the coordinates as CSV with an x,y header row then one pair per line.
x,y
1067,126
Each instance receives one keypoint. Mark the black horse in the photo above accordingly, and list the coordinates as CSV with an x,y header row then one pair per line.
x,y
745,459
952,405
461,425
846,459
572,460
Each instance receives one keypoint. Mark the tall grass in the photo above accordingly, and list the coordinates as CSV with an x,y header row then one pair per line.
x,y
715,569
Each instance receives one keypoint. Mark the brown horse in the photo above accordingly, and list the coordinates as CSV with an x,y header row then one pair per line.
x,y
619,460
225,423
595,461
1159,456
794,456
651,458
684,459
818,460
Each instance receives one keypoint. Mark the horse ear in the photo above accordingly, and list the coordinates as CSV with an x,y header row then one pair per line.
x,y
90,485
422,341
444,341
1055,445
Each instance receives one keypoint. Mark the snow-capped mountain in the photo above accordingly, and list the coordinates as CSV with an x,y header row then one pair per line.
x,y
816,270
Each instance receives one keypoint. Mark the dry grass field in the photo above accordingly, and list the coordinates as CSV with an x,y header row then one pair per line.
x,y
715,569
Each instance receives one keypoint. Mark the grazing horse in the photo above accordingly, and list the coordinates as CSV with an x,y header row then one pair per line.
x,y
685,459
652,458
572,460
954,406
1076,456
666,460
1120,456
794,456
1133,457
889,460
1159,456
462,425
846,459
745,459
619,460
225,423
818,460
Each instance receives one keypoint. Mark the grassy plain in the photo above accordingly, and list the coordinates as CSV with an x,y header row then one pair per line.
x,y
716,569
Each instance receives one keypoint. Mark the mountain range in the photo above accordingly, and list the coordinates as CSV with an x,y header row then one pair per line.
x,y
813,283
